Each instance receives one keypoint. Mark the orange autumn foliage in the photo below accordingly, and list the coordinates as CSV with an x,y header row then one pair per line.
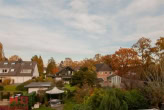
x,y
124,60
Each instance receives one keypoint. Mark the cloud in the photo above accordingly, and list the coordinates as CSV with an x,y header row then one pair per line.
x,y
77,28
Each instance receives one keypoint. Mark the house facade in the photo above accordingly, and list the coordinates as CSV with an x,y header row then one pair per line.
x,y
65,75
103,71
106,76
114,80
36,86
18,71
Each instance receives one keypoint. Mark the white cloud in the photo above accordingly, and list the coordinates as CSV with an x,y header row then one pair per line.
x,y
51,26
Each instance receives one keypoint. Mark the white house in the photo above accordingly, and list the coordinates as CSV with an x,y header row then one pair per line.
x,y
114,80
36,86
18,71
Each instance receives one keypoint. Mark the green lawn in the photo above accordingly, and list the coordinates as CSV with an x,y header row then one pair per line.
x,y
44,108
10,88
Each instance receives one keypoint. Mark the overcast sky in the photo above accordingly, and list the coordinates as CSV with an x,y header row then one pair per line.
x,y
76,28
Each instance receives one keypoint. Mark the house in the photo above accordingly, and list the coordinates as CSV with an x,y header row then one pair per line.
x,y
65,74
18,71
103,71
114,80
36,86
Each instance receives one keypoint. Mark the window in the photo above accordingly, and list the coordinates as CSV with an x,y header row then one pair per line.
x,y
12,70
4,71
26,71
13,63
69,72
5,63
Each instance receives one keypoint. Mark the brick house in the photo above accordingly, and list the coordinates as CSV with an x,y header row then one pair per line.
x,y
103,71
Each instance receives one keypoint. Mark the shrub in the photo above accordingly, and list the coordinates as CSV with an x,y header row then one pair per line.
x,y
31,99
21,86
1,88
136,100
59,84
6,81
113,99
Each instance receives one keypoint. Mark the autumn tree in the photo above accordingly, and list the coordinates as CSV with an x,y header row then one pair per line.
x,y
51,66
160,47
14,58
40,64
124,60
89,63
1,52
107,59
145,51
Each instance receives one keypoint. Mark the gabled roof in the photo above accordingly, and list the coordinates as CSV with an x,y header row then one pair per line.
x,y
18,66
65,69
38,84
102,67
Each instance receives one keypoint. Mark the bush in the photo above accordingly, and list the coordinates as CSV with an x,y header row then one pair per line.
x,y
1,88
31,99
136,100
6,81
59,84
113,99
21,86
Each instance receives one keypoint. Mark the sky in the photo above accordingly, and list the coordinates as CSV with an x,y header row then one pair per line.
x,y
77,28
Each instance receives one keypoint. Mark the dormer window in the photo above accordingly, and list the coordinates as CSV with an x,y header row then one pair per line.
x,y
5,63
26,71
12,70
5,70
13,63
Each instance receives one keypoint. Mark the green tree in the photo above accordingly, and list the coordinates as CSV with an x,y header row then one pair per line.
x,y
40,64
51,65
84,75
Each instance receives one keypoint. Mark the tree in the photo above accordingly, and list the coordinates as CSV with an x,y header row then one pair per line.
x,y
143,47
51,66
14,58
40,64
107,59
160,47
125,60
2,57
84,75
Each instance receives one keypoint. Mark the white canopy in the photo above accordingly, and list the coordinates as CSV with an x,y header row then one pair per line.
x,y
55,90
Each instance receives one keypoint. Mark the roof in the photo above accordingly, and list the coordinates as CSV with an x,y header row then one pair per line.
x,y
38,84
102,67
100,80
55,90
17,67
65,69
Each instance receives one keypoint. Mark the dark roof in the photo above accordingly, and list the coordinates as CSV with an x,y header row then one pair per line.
x,y
38,84
100,80
102,67
18,66
65,69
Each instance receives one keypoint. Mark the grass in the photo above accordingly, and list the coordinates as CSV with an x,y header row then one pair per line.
x,y
10,88
44,108
68,105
